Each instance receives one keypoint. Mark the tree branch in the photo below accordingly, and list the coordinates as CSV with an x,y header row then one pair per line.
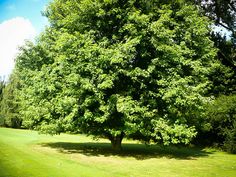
x,y
226,27
232,6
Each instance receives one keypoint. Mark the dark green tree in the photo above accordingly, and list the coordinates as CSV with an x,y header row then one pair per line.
x,y
2,86
223,14
222,118
9,104
115,68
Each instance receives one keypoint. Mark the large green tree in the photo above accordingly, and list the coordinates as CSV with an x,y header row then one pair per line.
x,y
117,68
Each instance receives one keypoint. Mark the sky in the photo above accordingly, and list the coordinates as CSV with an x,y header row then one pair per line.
x,y
20,20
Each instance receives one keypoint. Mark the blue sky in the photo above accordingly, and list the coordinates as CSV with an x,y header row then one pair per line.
x,y
19,20
28,9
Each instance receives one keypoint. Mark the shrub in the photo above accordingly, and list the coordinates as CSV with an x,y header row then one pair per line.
x,y
222,116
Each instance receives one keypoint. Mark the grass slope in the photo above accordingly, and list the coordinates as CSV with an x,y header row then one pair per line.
x,y
25,153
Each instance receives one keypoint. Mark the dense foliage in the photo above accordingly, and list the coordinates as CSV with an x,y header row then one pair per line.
x,y
9,113
222,117
223,14
2,85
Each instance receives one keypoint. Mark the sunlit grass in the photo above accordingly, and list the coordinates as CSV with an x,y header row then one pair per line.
x,y
25,153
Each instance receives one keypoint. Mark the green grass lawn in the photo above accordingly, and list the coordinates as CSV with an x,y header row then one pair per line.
x,y
25,153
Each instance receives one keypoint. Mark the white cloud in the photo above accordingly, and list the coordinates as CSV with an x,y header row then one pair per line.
x,y
13,33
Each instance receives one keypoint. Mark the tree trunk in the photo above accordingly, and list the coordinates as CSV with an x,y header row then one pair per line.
x,y
116,142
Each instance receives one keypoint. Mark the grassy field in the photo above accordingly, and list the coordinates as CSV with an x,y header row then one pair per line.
x,y
25,153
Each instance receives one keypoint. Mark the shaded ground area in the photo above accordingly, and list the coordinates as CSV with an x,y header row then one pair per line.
x,y
138,151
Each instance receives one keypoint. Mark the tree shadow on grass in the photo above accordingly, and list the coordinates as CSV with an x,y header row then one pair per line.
x,y
138,151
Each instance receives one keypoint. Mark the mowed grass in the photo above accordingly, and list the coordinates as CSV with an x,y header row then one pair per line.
x,y
25,153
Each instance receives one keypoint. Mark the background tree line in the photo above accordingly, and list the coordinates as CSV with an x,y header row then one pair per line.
x,y
147,70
